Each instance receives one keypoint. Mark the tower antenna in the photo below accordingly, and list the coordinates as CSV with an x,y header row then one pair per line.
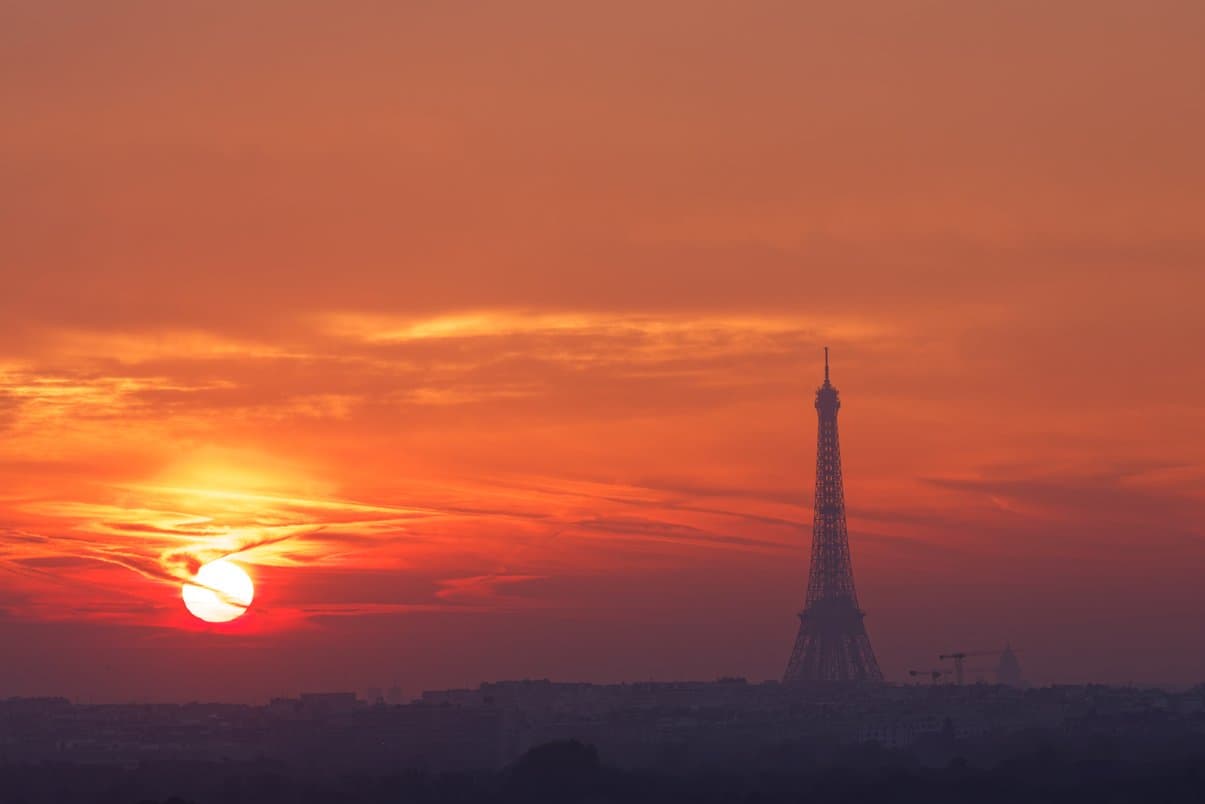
x,y
826,365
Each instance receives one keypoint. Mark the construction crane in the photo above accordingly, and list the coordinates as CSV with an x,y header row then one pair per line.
x,y
960,656
933,675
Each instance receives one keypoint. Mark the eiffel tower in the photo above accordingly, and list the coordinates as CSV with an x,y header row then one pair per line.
x,y
832,644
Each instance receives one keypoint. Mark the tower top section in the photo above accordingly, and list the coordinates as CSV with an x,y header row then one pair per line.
x,y
827,402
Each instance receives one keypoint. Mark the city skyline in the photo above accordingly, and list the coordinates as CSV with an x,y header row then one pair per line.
x,y
487,342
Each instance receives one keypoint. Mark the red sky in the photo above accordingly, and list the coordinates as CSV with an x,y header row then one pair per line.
x,y
485,336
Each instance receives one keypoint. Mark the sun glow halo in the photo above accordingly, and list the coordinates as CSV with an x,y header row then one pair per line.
x,y
224,594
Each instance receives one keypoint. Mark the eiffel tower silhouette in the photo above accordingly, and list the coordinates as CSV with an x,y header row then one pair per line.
x,y
832,644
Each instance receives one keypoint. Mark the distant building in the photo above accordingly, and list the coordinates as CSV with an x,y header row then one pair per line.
x,y
1008,671
327,703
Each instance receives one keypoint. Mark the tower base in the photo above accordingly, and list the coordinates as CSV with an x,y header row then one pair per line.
x,y
832,645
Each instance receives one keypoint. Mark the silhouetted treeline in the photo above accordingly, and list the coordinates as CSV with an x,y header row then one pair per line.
x,y
1049,770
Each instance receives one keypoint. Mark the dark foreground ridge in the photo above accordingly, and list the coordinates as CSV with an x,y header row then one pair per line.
x,y
569,771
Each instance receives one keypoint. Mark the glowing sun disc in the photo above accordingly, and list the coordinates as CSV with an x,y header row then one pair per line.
x,y
224,594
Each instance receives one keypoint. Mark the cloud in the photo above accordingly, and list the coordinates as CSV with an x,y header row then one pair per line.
x,y
549,525
1112,499
484,589
657,531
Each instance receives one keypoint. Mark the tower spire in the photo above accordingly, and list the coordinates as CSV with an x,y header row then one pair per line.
x,y
832,644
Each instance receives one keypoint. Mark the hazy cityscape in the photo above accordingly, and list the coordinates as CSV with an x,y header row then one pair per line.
x,y
626,402
687,730
724,723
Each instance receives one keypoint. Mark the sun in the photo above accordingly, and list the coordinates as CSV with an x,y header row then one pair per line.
x,y
223,594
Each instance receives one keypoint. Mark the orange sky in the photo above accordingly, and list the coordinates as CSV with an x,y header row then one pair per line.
x,y
485,335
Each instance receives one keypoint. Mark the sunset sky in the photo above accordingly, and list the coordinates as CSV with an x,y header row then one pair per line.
x,y
485,336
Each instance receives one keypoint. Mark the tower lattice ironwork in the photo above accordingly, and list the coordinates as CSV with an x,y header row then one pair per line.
x,y
832,644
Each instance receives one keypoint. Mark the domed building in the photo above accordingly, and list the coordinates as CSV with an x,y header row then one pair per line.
x,y
1008,671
